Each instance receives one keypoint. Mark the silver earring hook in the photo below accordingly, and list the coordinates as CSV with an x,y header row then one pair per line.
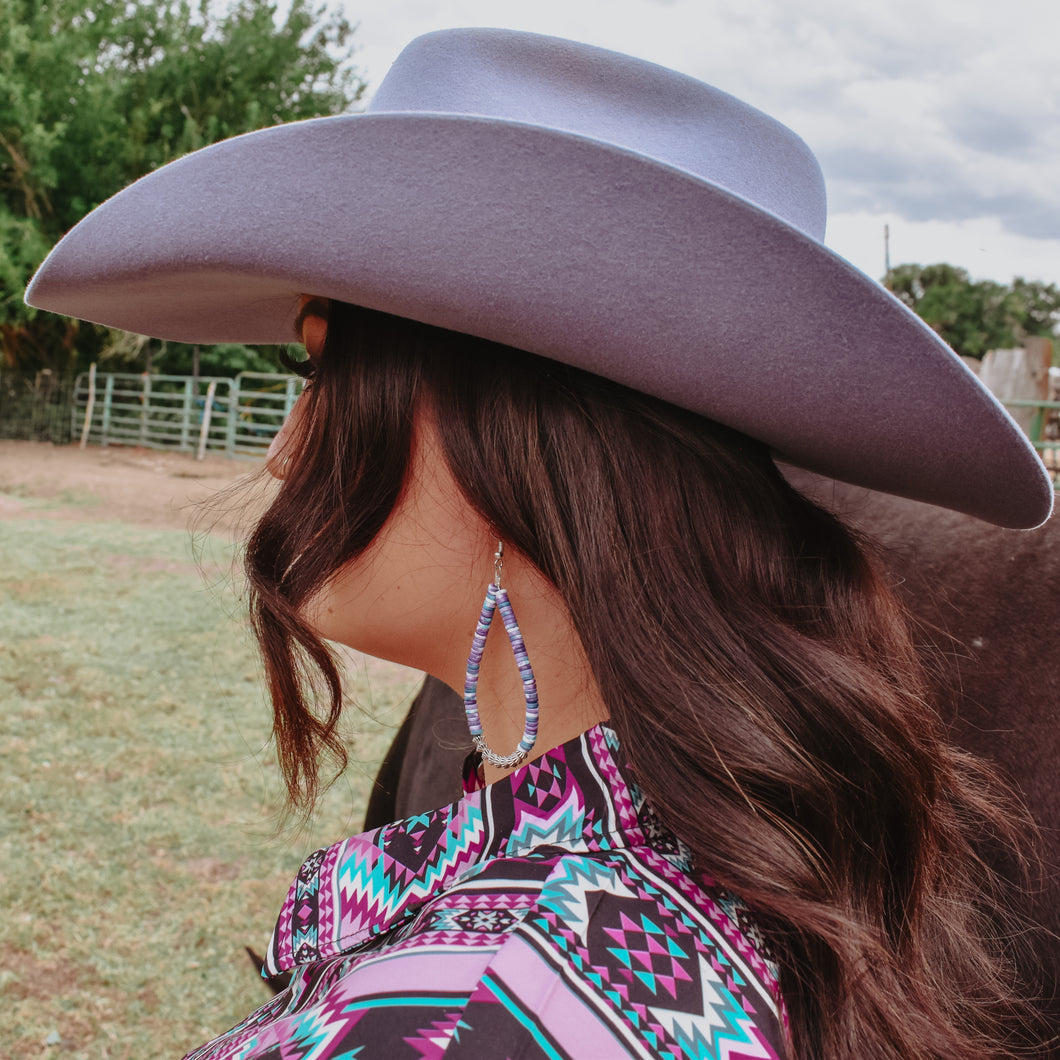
x,y
498,563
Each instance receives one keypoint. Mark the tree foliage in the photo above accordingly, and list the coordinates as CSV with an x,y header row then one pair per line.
x,y
96,93
975,316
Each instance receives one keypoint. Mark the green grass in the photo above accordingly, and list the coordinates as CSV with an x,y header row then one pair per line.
x,y
138,793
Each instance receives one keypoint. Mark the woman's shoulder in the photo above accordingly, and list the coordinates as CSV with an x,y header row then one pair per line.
x,y
552,953
623,947
552,915
561,953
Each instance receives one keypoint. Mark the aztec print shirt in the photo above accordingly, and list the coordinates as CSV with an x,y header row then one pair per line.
x,y
547,915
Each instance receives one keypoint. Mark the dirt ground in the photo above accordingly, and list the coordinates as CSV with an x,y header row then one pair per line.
x,y
147,487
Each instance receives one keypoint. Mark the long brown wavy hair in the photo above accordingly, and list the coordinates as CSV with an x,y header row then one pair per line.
x,y
757,667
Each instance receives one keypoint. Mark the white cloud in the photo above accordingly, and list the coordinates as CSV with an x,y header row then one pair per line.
x,y
980,245
938,115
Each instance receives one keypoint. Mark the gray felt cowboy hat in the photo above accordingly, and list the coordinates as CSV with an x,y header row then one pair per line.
x,y
579,204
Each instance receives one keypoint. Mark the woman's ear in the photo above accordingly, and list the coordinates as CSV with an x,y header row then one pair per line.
x,y
311,324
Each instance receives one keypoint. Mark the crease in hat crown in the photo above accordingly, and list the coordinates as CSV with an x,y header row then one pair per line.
x,y
614,99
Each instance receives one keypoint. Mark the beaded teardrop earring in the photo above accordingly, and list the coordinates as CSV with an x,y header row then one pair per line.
x,y
497,598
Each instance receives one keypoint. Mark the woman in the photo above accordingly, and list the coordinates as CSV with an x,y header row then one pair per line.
x,y
559,307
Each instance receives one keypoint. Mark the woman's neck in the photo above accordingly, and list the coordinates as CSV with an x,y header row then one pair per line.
x,y
414,597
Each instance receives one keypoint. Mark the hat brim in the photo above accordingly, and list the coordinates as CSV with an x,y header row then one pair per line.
x,y
566,247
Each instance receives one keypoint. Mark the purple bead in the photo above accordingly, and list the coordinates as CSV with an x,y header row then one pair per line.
x,y
497,597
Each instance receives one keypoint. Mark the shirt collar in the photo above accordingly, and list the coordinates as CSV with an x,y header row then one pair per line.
x,y
574,797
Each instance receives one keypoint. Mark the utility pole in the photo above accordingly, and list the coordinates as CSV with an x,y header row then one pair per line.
x,y
887,256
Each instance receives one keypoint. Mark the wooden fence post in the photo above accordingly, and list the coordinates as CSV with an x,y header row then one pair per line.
x,y
207,413
185,422
90,406
145,405
108,402
233,417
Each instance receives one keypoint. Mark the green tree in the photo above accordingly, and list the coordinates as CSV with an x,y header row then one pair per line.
x,y
95,93
975,316
1037,306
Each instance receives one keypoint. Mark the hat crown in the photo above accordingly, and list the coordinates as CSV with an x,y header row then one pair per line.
x,y
614,99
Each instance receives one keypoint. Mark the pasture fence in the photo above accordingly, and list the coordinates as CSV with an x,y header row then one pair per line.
x,y
35,406
232,417
235,417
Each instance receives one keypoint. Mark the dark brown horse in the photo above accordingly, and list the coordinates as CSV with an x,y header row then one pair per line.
x,y
987,606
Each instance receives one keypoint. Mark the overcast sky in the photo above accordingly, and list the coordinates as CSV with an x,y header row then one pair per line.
x,y
938,117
